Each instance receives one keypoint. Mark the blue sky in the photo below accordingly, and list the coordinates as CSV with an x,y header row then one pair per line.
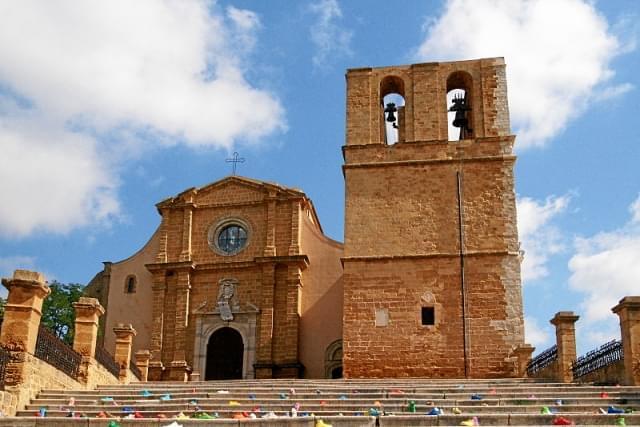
x,y
107,108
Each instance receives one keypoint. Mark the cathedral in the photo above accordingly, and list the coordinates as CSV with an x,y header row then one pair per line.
x,y
239,280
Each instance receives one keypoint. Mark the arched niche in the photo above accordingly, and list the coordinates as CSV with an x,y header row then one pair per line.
x,y
333,360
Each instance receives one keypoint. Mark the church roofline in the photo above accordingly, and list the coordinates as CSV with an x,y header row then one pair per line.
x,y
180,197
186,196
498,60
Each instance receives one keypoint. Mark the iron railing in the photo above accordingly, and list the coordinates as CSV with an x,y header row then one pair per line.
x,y
57,353
542,360
604,355
106,359
134,369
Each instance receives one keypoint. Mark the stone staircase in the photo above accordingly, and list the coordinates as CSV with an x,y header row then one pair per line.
x,y
341,403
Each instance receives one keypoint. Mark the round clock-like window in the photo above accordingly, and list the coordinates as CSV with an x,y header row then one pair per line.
x,y
229,238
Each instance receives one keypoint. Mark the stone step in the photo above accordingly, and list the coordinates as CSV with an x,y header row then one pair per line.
x,y
335,421
282,410
244,394
504,402
387,403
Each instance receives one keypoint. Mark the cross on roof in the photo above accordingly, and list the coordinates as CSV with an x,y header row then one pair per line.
x,y
235,160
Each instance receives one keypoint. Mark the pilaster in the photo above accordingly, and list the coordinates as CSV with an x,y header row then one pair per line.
x,y
270,244
179,367
187,221
294,247
564,321
263,368
294,290
158,287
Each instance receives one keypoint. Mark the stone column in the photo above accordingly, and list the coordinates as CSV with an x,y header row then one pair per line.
x,y
523,354
23,310
628,309
124,340
142,362
88,312
564,321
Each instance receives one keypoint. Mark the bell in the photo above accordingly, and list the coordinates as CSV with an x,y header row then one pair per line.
x,y
460,107
460,121
390,110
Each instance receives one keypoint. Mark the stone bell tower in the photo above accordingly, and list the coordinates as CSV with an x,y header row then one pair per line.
x,y
431,259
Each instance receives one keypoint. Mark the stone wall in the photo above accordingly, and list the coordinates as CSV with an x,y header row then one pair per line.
x,y
39,375
610,374
406,249
549,372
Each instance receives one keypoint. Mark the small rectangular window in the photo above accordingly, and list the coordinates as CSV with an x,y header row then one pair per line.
x,y
428,316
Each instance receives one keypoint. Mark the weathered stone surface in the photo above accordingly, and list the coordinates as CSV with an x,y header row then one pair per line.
x,y
405,247
628,310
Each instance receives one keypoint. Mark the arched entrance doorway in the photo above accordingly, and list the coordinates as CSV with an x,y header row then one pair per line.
x,y
225,353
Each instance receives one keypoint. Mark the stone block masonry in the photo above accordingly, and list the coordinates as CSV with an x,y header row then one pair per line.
x,y
431,240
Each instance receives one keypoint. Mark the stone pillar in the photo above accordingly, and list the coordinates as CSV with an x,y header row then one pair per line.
x,y
124,340
88,312
523,354
628,309
142,362
23,310
564,321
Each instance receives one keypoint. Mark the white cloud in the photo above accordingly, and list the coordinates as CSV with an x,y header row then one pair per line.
x,y
328,37
558,56
605,268
539,237
55,179
80,82
536,335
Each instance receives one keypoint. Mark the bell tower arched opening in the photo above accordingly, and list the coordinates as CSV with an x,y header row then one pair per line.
x,y
392,103
459,111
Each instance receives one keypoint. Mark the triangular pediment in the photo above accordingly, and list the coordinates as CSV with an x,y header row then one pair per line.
x,y
230,190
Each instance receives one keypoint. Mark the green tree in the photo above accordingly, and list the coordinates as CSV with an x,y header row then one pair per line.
x,y
57,311
3,302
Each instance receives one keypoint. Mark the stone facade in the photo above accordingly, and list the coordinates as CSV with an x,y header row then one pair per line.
x,y
281,292
430,225
430,233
